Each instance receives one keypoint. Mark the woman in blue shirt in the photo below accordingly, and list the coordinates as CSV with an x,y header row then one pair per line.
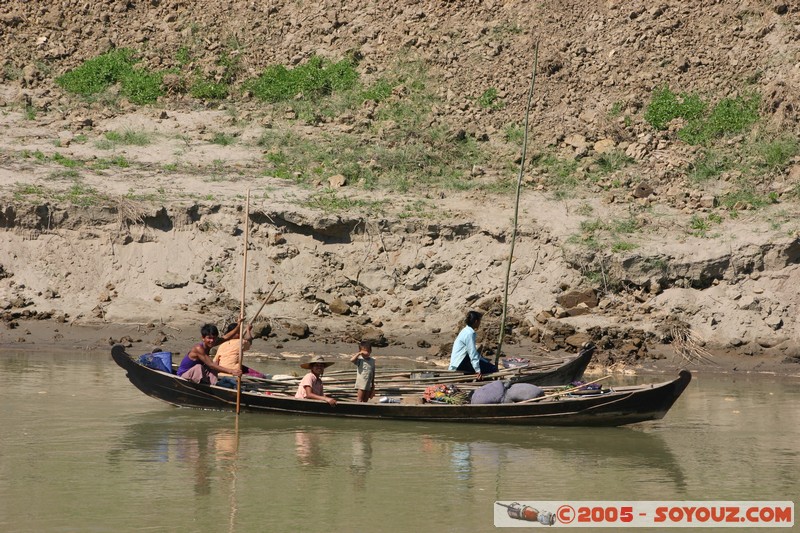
x,y
465,355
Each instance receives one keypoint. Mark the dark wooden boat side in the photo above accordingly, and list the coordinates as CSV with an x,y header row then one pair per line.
x,y
626,405
571,371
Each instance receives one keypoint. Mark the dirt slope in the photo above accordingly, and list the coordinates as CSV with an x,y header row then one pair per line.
x,y
405,280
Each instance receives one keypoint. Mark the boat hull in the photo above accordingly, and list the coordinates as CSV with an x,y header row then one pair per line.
x,y
626,405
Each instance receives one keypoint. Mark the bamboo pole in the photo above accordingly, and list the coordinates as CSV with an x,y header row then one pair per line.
x,y
241,310
252,320
516,207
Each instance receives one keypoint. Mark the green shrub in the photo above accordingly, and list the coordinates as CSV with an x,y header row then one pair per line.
x,y
627,225
730,115
183,56
612,161
710,164
777,153
490,100
316,78
82,195
208,90
22,190
328,200
223,139
99,73
380,91
65,161
666,106
748,198
514,133
623,246
95,75
142,87
616,109
128,137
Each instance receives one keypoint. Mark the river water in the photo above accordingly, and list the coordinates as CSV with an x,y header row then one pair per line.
x,y
82,450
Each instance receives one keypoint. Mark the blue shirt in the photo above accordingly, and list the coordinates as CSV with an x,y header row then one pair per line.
x,y
464,346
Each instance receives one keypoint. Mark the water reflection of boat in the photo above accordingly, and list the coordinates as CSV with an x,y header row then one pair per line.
x,y
205,442
613,407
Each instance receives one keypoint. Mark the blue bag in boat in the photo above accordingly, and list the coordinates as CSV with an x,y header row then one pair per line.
x,y
157,361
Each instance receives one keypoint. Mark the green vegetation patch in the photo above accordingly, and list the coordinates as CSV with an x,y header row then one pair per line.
x,y
208,90
729,115
128,137
666,106
435,157
96,75
490,99
316,78
596,234
700,226
328,200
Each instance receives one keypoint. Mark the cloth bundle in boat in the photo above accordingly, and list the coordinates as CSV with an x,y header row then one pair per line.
x,y
492,392
519,392
157,361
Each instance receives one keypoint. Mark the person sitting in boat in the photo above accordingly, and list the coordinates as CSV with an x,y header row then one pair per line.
x,y
228,352
311,385
198,366
365,371
465,355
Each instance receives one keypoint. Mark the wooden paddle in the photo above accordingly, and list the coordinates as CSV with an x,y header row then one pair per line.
x,y
241,310
566,391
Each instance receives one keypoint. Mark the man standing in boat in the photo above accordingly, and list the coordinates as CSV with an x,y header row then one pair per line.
x,y
465,355
198,366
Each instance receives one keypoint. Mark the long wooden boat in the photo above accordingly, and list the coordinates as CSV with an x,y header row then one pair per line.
x,y
612,407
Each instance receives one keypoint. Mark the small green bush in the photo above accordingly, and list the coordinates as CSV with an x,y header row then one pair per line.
x,y
514,133
623,246
183,56
380,91
490,99
329,201
128,137
142,87
612,161
223,139
316,78
709,165
65,161
99,73
95,75
665,106
748,198
777,153
627,225
730,115
208,90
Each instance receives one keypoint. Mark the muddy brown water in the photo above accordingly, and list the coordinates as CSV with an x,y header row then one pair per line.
x,y
82,450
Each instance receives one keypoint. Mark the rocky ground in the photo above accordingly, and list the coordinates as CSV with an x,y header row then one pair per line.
x,y
141,243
